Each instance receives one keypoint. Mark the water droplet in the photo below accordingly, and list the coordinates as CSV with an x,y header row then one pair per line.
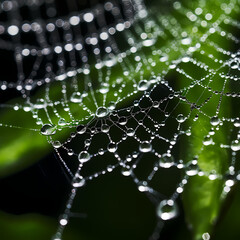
x,y
126,171
76,97
122,120
112,147
105,128
185,59
27,108
104,88
143,85
142,186
206,236
236,123
81,129
235,146
192,168
79,181
102,112
215,121
63,222
84,156
148,42
130,132
40,104
101,151
207,141
62,122
145,146
56,144
111,105
186,41
48,129
166,161
167,209
181,118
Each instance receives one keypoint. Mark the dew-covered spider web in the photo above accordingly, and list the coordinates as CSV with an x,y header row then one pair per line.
x,y
123,86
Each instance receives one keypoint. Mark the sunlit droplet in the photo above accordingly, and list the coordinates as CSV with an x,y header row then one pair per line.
x,y
102,112
84,156
167,209
48,129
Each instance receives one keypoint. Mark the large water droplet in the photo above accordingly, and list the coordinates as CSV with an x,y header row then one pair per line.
x,y
105,128
84,156
235,146
40,103
104,88
207,141
76,97
181,118
206,236
236,123
145,146
215,121
102,112
148,42
142,186
62,122
166,161
192,168
48,129
81,129
111,105
143,85
112,147
167,209
130,132
126,171
56,144
79,181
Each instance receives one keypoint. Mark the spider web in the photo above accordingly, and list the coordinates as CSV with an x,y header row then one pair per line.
x,y
110,88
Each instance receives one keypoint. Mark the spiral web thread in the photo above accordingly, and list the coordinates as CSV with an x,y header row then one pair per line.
x,y
86,64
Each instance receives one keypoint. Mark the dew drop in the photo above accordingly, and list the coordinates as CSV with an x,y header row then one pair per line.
x,y
104,88
236,123
143,85
207,141
126,171
81,129
62,122
167,209
214,121
76,97
206,236
192,168
112,147
40,104
84,156
79,182
105,128
102,112
145,146
186,41
148,42
181,118
142,186
56,144
235,146
122,121
48,129
111,105
130,132
166,161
